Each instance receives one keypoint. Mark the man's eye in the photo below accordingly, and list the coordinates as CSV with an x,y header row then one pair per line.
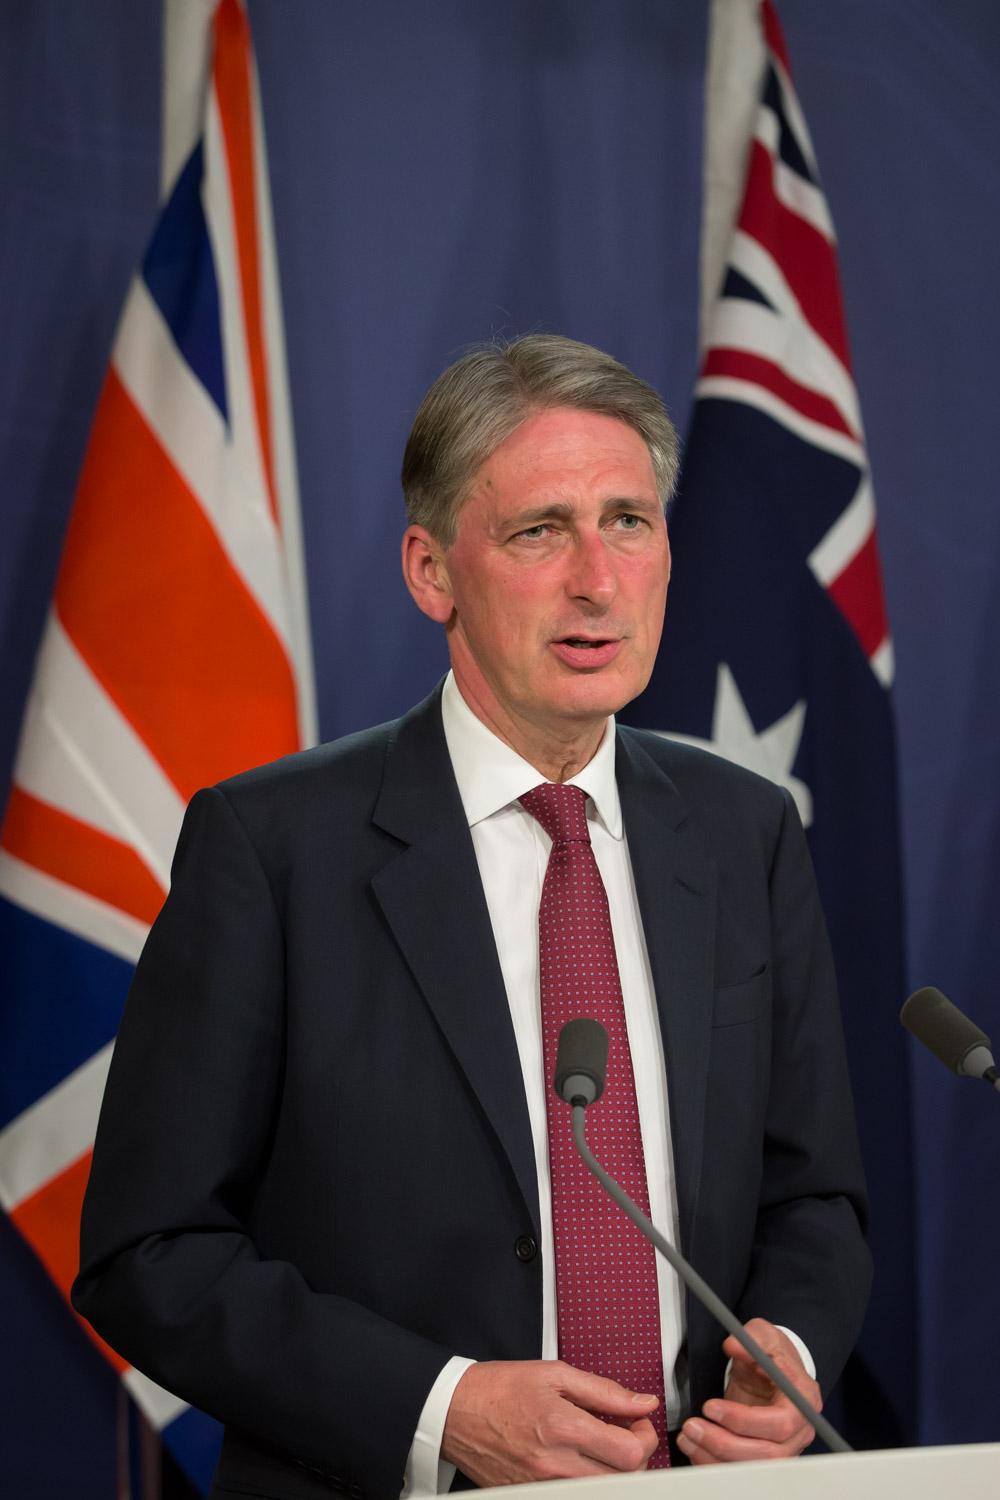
x,y
628,522
533,533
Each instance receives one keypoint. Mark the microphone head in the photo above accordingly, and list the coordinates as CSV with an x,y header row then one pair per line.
x,y
581,1061
942,1027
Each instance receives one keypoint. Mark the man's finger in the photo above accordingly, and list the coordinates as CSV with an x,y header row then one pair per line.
x,y
647,1435
748,1375
706,1442
753,1384
749,1384
777,1423
623,1449
605,1397
644,1429
777,1349
515,1422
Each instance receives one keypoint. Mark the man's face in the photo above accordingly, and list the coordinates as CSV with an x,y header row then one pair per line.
x,y
558,575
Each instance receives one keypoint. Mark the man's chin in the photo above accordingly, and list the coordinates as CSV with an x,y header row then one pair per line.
x,y
595,693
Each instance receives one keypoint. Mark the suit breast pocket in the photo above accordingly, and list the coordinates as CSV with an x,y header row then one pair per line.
x,y
739,1004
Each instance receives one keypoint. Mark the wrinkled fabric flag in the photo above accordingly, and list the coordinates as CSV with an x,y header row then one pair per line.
x,y
176,652
777,652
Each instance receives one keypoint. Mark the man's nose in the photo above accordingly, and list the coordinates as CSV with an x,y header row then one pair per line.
x,y
592,576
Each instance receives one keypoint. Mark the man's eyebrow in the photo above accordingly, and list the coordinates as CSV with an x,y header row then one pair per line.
x,y
631,502
555,510
561,510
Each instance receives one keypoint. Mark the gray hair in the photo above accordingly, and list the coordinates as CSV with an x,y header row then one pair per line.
x,y
477,403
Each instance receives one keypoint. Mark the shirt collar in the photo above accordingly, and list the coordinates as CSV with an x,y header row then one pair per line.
x,y
491,775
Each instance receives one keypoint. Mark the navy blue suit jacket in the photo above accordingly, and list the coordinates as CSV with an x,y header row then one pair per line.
x,y
314,1180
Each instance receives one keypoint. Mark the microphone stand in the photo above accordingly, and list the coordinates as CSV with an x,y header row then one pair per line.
x,y
700,1287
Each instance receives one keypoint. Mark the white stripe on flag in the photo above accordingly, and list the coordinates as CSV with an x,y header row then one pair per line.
x,y
730,388
64,906
191,432
790,343
733,77
759,267
286,477
793,114
53,1133
157,1405
883,662
247,454
846,536
50,769
89,732
187,58
792,190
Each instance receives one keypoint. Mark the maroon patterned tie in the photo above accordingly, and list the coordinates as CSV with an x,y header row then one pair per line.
x,y
606,1297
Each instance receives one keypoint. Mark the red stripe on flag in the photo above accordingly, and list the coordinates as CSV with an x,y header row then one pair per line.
x,y
857,592
82,856
806,257
760,371
50,1221
773,35
165,623
231,71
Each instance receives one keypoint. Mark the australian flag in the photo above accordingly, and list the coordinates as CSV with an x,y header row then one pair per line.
x,y
777,653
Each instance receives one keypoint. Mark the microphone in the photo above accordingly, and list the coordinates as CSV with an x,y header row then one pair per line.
x,y
581,1063
951,1036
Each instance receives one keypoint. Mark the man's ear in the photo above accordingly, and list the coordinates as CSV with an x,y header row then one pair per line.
x,y
426,574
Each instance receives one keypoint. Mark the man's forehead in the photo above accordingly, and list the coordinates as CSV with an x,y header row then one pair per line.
x,y
558,448
566,428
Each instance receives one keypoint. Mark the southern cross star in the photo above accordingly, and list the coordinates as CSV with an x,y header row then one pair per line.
x,y
770,753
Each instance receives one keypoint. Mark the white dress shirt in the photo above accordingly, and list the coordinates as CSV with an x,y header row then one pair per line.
x,y
512,850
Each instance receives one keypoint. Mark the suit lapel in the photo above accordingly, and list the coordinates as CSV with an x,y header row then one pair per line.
x,y
432,898
675,884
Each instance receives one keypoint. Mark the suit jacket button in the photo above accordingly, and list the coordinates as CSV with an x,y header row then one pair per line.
x,y
525,1248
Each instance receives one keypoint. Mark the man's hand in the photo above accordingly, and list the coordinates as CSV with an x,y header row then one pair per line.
x,y
511,1422
754,1420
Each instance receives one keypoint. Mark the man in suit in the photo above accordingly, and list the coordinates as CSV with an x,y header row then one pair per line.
x,y
326,1204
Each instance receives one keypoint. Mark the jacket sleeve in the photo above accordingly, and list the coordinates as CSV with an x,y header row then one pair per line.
x,y
170,1275
810,1267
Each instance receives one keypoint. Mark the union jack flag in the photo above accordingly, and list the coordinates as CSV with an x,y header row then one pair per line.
x,y
176,651
777,651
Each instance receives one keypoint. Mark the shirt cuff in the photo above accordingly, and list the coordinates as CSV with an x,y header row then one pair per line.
x,y
426,1472
801,1348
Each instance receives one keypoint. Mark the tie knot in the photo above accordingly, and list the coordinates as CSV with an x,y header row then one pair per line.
x,y
561,810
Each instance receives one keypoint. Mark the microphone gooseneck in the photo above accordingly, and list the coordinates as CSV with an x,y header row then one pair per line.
x,y
572,1082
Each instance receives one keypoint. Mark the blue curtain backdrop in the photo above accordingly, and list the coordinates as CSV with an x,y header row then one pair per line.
x,y
445,171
